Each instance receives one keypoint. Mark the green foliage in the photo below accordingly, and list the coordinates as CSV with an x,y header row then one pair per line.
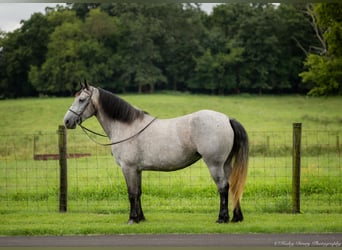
x,y
253,48
77,48
218,71
19,51
324,70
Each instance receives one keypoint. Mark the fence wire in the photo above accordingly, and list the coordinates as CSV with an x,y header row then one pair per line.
x,y
29,176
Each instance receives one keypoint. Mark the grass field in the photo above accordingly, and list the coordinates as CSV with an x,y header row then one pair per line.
x,y
180,202
256,113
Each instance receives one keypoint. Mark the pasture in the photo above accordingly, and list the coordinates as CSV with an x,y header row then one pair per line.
x,y
185,201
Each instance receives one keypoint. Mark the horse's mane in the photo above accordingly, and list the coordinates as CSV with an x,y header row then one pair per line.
x,y
117,108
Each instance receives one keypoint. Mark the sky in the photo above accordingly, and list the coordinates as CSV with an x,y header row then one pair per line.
x,y
12,13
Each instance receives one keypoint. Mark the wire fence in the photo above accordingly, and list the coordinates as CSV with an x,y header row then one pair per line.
x,y
29,176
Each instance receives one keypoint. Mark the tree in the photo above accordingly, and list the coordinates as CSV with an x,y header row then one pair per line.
x,y
142,47
295,38
62,68
271,38
82,9
181,43
324,69
76,51
219,71
106,30
139,49
21,48
160,40
325,73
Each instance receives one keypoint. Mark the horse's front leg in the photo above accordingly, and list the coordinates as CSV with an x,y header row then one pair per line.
x,y
133,181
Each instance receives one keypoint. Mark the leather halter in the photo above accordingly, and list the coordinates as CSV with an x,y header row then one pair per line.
x,y
79,120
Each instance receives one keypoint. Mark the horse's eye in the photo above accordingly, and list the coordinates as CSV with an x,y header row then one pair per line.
x,y
81,100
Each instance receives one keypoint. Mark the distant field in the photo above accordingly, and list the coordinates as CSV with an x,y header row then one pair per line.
x,y
185,201
256,113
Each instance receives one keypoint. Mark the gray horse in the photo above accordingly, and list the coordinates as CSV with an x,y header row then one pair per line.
x,y
141,142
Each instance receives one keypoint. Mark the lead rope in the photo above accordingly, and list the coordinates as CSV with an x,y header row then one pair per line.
x,y
117,142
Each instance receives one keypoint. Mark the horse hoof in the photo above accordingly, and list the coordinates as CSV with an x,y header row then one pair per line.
x,y
131,222
238,216
235,220
135,221
220,221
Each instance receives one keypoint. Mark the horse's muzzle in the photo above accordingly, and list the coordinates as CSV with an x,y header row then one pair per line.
x,y
70,121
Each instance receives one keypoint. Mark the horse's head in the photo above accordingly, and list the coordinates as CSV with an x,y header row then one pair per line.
x,y
82,107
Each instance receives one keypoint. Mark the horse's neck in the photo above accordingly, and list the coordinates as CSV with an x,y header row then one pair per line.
x,y
108,125
117,130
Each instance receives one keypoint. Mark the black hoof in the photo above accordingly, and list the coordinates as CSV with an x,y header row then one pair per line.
x,y
135,220
237,215
222,220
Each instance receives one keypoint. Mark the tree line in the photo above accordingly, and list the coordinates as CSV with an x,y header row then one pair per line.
x,y
253,48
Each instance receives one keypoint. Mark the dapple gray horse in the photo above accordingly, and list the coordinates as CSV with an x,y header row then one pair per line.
x,y
141,142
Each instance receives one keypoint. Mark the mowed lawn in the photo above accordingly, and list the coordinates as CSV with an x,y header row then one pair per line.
x,y
186,211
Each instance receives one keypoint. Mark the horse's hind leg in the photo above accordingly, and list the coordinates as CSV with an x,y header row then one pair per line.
x,y
219,176
237,212
223,216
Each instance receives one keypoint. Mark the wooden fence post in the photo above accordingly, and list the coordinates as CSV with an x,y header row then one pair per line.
x,y
63,188
337,144
35,137
296,155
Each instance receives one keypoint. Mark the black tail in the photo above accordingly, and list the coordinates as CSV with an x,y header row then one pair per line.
x,y
238,176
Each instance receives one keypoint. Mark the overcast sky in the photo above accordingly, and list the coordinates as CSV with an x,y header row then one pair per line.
x,y
12,13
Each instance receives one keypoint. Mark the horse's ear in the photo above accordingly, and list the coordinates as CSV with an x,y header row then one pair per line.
x,y
86,85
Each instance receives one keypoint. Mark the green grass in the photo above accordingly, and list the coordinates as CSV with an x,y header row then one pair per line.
x,y
256,113
164,222
185,201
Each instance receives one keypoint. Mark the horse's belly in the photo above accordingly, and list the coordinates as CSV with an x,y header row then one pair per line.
x,y
168,154
170,163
